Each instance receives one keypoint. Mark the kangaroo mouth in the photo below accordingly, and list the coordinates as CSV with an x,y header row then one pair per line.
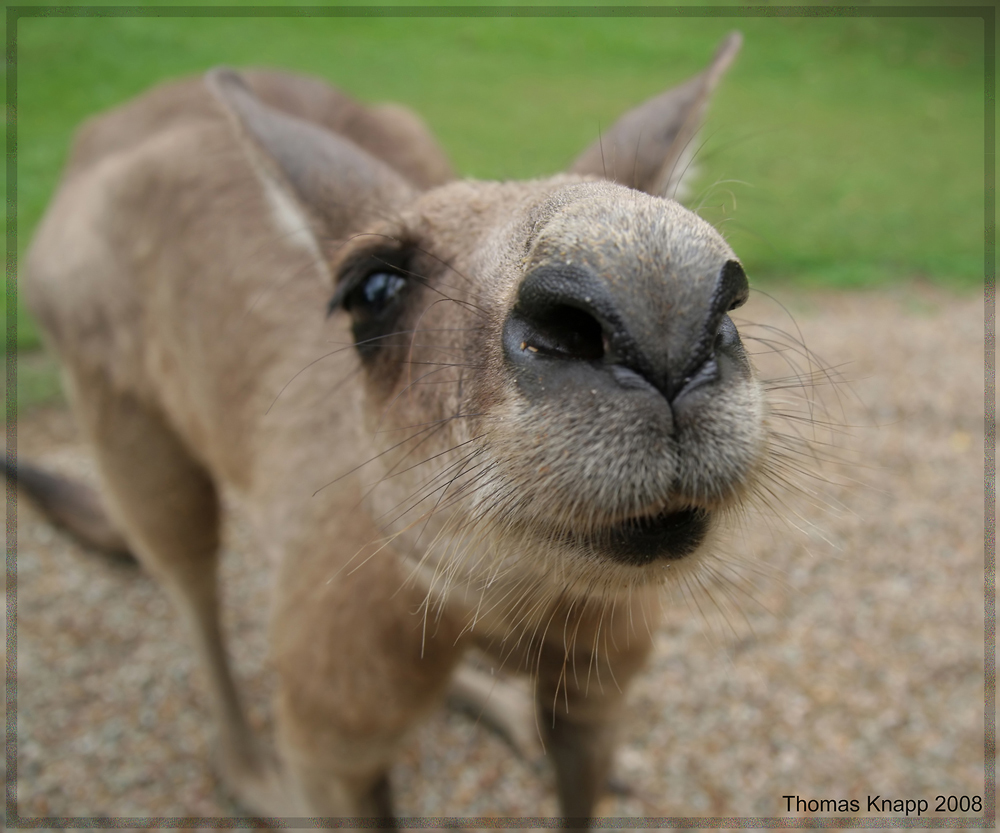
x,y
670,535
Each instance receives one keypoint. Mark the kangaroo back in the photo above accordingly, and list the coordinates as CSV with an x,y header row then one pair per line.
x,y
389,132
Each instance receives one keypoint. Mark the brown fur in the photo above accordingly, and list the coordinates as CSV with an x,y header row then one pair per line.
x,y
442,486
72,505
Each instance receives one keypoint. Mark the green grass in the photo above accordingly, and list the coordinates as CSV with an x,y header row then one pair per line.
x,y
839,151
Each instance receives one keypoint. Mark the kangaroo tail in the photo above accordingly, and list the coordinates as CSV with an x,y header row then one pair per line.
x,y
72,505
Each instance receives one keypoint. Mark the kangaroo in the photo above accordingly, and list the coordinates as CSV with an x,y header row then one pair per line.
x,y
463,415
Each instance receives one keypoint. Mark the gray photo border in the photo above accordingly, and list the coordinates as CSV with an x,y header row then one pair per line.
x,y
986,13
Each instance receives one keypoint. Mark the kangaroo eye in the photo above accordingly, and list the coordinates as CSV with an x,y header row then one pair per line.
x,y
376,290
374,294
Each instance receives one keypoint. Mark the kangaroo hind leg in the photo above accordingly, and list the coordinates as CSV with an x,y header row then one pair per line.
x,y
167,508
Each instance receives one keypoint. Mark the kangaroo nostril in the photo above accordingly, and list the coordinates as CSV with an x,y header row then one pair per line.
x,y
565,312
563,331
727,336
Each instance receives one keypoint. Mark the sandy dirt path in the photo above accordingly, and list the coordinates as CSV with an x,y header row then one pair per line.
x,y
851,665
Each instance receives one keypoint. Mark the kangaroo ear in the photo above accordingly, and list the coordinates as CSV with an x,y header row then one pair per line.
x,y
645,147
317,182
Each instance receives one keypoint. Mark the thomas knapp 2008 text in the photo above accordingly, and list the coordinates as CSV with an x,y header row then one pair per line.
x,y
880,804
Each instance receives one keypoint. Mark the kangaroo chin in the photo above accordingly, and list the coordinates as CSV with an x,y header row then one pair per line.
x,y
515,408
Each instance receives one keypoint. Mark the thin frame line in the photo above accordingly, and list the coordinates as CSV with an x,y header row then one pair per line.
x,y
987,13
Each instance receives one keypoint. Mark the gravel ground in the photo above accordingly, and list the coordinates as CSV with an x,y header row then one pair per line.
x,y
849,665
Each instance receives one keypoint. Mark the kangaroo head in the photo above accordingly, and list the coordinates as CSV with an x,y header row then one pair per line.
x,y
548,374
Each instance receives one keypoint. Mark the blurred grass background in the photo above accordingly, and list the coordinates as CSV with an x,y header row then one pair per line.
x,y
841,152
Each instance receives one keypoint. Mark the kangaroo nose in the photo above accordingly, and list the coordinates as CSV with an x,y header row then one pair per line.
x,y
570,326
